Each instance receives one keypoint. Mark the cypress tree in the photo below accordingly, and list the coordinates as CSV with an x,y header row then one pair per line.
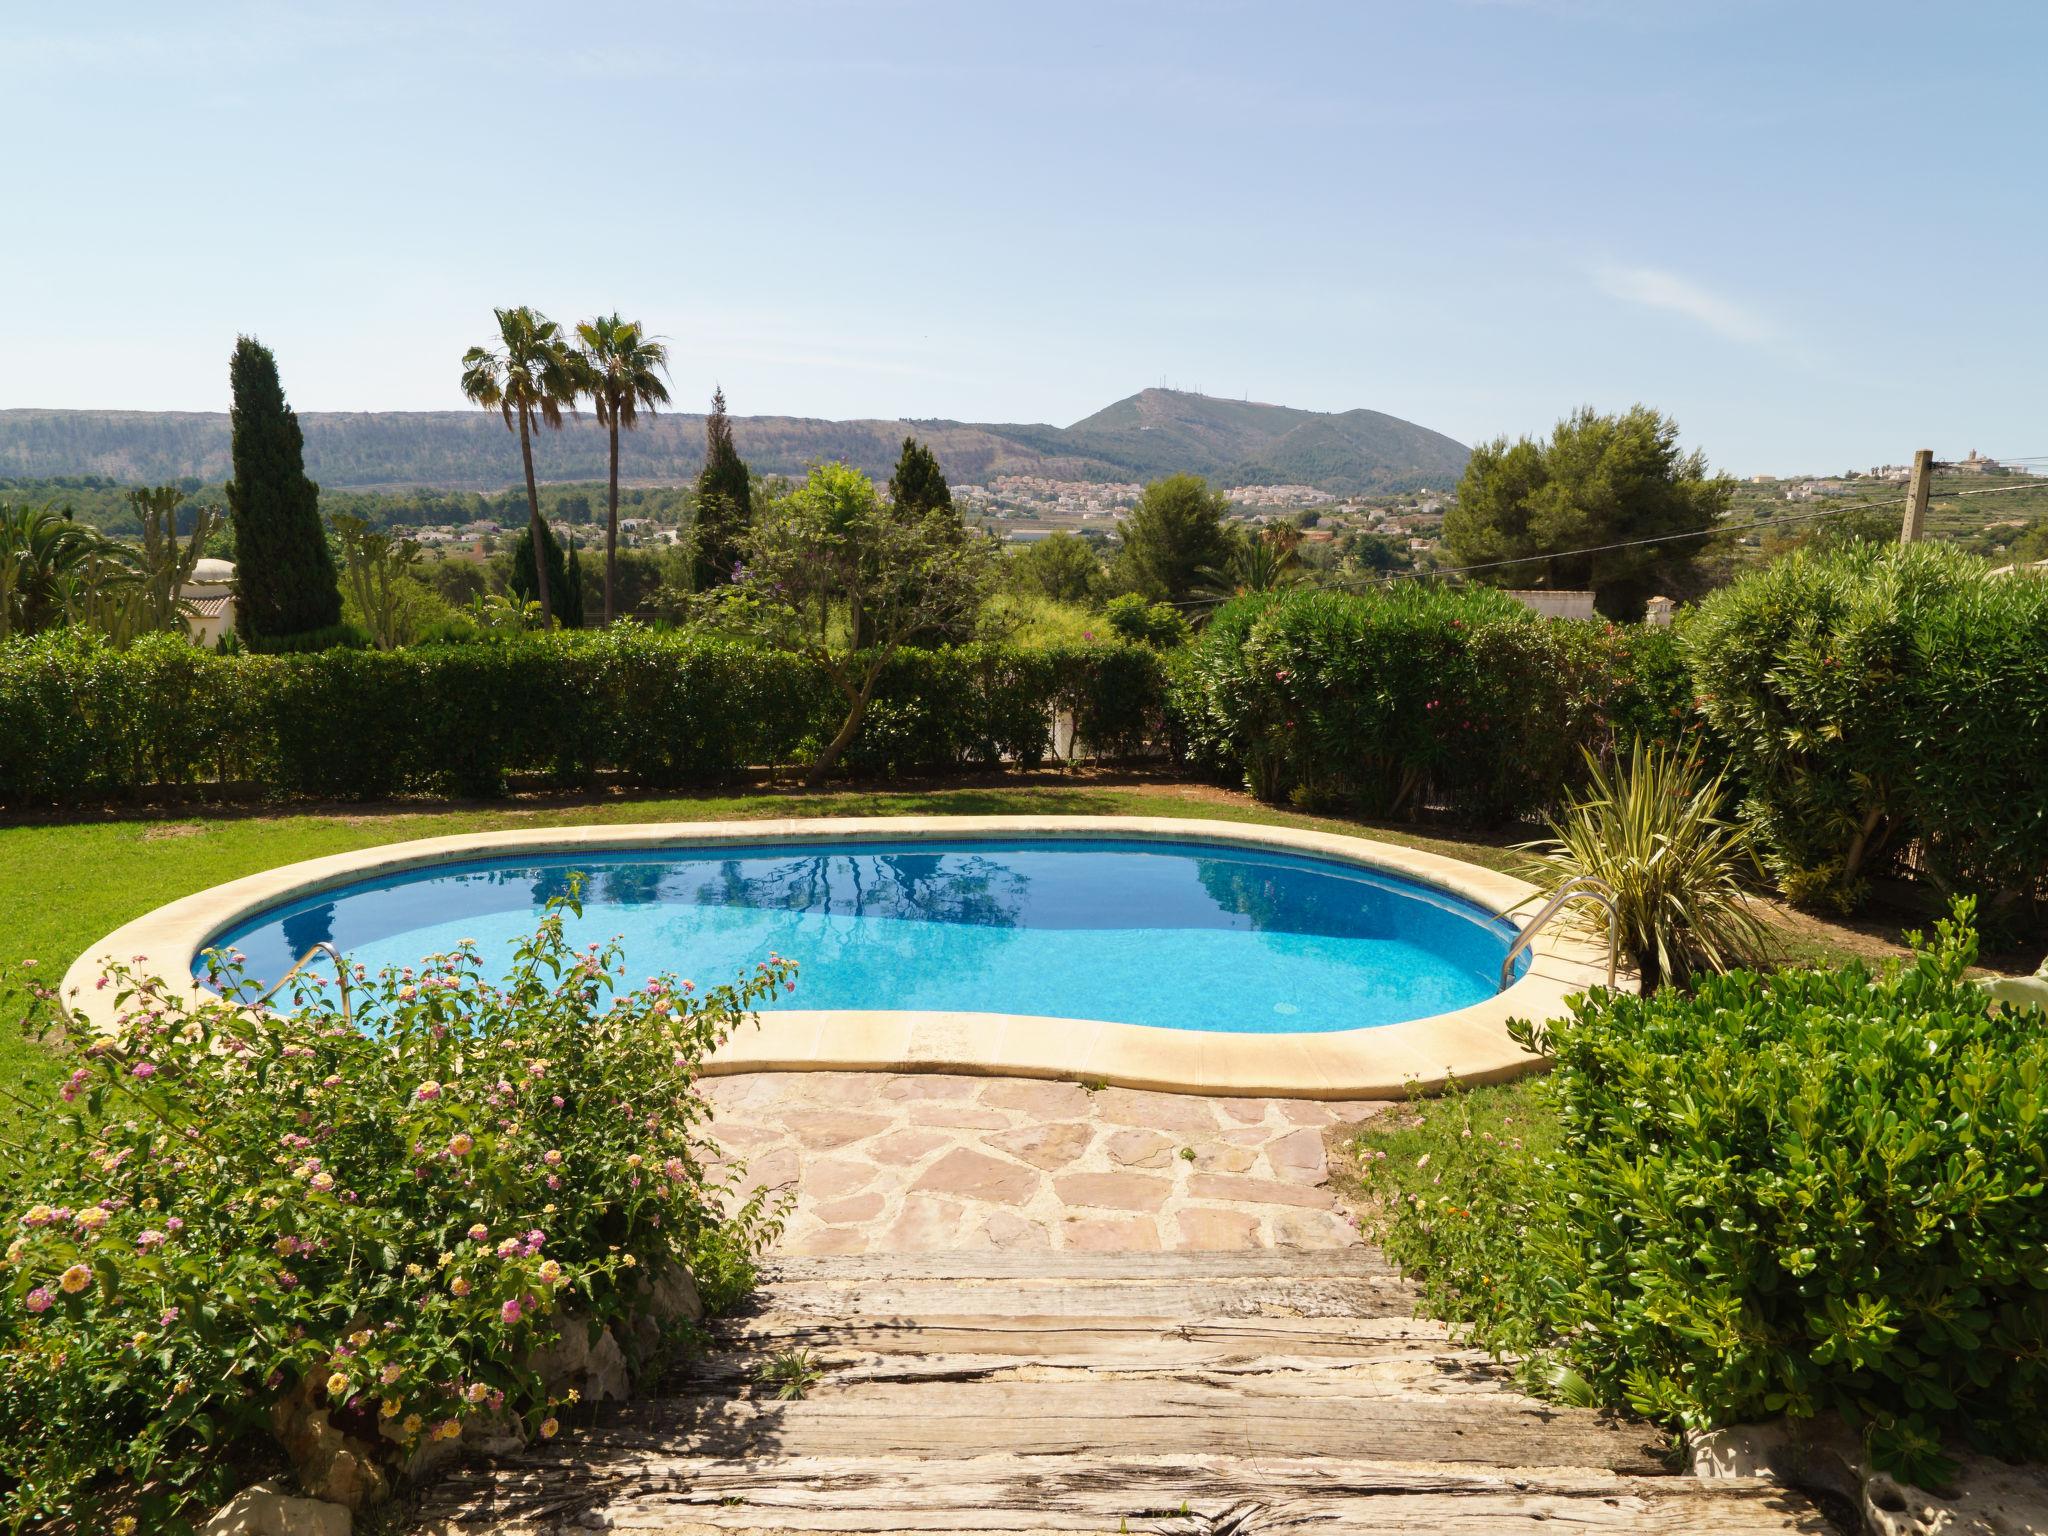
x,y
565,576
725,502
919,485
284,576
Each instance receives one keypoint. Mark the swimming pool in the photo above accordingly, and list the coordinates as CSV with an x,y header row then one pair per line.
x,y
1178,934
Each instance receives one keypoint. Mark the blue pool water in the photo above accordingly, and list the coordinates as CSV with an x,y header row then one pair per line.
x,y
1181,935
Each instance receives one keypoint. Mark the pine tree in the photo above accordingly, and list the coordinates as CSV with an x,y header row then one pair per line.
x,y
725,504
284,576
565,576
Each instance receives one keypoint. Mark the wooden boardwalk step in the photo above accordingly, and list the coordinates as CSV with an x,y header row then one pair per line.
x,y
1259,1392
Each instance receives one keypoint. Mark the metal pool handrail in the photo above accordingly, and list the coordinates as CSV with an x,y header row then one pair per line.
x,y
1579,887
340,976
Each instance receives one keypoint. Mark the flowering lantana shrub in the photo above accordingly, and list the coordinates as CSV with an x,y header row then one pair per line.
x,y
383,1200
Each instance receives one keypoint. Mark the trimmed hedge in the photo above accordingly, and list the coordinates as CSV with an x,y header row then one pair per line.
x,y
1459,699
80,720
1883,705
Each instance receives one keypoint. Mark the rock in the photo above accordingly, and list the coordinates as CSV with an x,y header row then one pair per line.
x,y
266,1509
1037,1096
1252,1191
1298,1157
977,1176
828,1178
1183,1113
1008,1230
837,1213
584,1358
1111,1234
1211,1230
1990,1498
1114,1191
904,1148
924,1225
930,1085
823,1129
1139,1149
330,1465
1044,1146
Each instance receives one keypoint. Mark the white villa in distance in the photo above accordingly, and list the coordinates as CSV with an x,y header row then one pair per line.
x,y
210,598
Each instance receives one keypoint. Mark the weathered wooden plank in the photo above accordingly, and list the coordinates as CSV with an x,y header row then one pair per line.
x,y
1184,1264
1292,1414
1341,1337
1017,1495
1167,1301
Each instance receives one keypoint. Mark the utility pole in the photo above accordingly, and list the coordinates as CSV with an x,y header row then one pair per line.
x,y
1910,528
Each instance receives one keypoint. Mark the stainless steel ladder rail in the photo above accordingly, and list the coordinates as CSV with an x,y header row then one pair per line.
x,y
1578,888
340,976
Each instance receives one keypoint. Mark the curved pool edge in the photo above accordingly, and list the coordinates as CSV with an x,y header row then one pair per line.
x,y
1383,1061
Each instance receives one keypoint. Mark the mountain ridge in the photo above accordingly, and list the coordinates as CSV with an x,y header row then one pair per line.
x,y
1154,432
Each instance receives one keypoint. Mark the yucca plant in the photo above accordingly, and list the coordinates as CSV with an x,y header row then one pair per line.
x,y
1651,829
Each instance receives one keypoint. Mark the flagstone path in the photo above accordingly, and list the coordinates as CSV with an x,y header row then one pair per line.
x,y
926,1163
1037,1309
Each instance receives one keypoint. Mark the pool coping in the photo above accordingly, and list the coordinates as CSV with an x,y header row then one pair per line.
x,y
1385,1061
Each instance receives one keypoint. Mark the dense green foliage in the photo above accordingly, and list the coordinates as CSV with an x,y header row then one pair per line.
x,y
1884,703
1062,567
1159,625
565,575
1811,1191
1599,480
1651,830
80,720
917,484
1394,701
284,575
1173,539
725,503
381,1202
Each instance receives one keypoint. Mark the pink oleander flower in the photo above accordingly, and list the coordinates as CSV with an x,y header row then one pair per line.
x,y
479,1233
168,1316
461,1144
75,1279
39,1300
427,1091
511,1312
458,1286
148,1240
143,1069
552,1158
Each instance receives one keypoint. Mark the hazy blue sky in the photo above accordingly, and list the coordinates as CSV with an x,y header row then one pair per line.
x,y
1812,231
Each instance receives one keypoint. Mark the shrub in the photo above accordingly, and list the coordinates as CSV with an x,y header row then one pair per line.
x,y
1388,702
1651,830
1137,622
1879,703
384,1203
79,719
1798,1193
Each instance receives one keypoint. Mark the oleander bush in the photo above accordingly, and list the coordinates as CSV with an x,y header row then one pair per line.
x,y
1884,709
1802,1192
382,1204
80,719
1390,702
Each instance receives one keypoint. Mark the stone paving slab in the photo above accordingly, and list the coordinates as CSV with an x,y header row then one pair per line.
x,y
891,1163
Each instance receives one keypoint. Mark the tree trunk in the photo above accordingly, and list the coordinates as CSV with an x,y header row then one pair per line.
x,y
1859,846
534,530
848,729
611,523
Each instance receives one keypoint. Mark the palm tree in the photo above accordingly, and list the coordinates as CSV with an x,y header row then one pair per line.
x,y
527,379
49,566
622,371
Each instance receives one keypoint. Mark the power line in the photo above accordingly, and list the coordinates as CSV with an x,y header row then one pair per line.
x,y
1674,538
